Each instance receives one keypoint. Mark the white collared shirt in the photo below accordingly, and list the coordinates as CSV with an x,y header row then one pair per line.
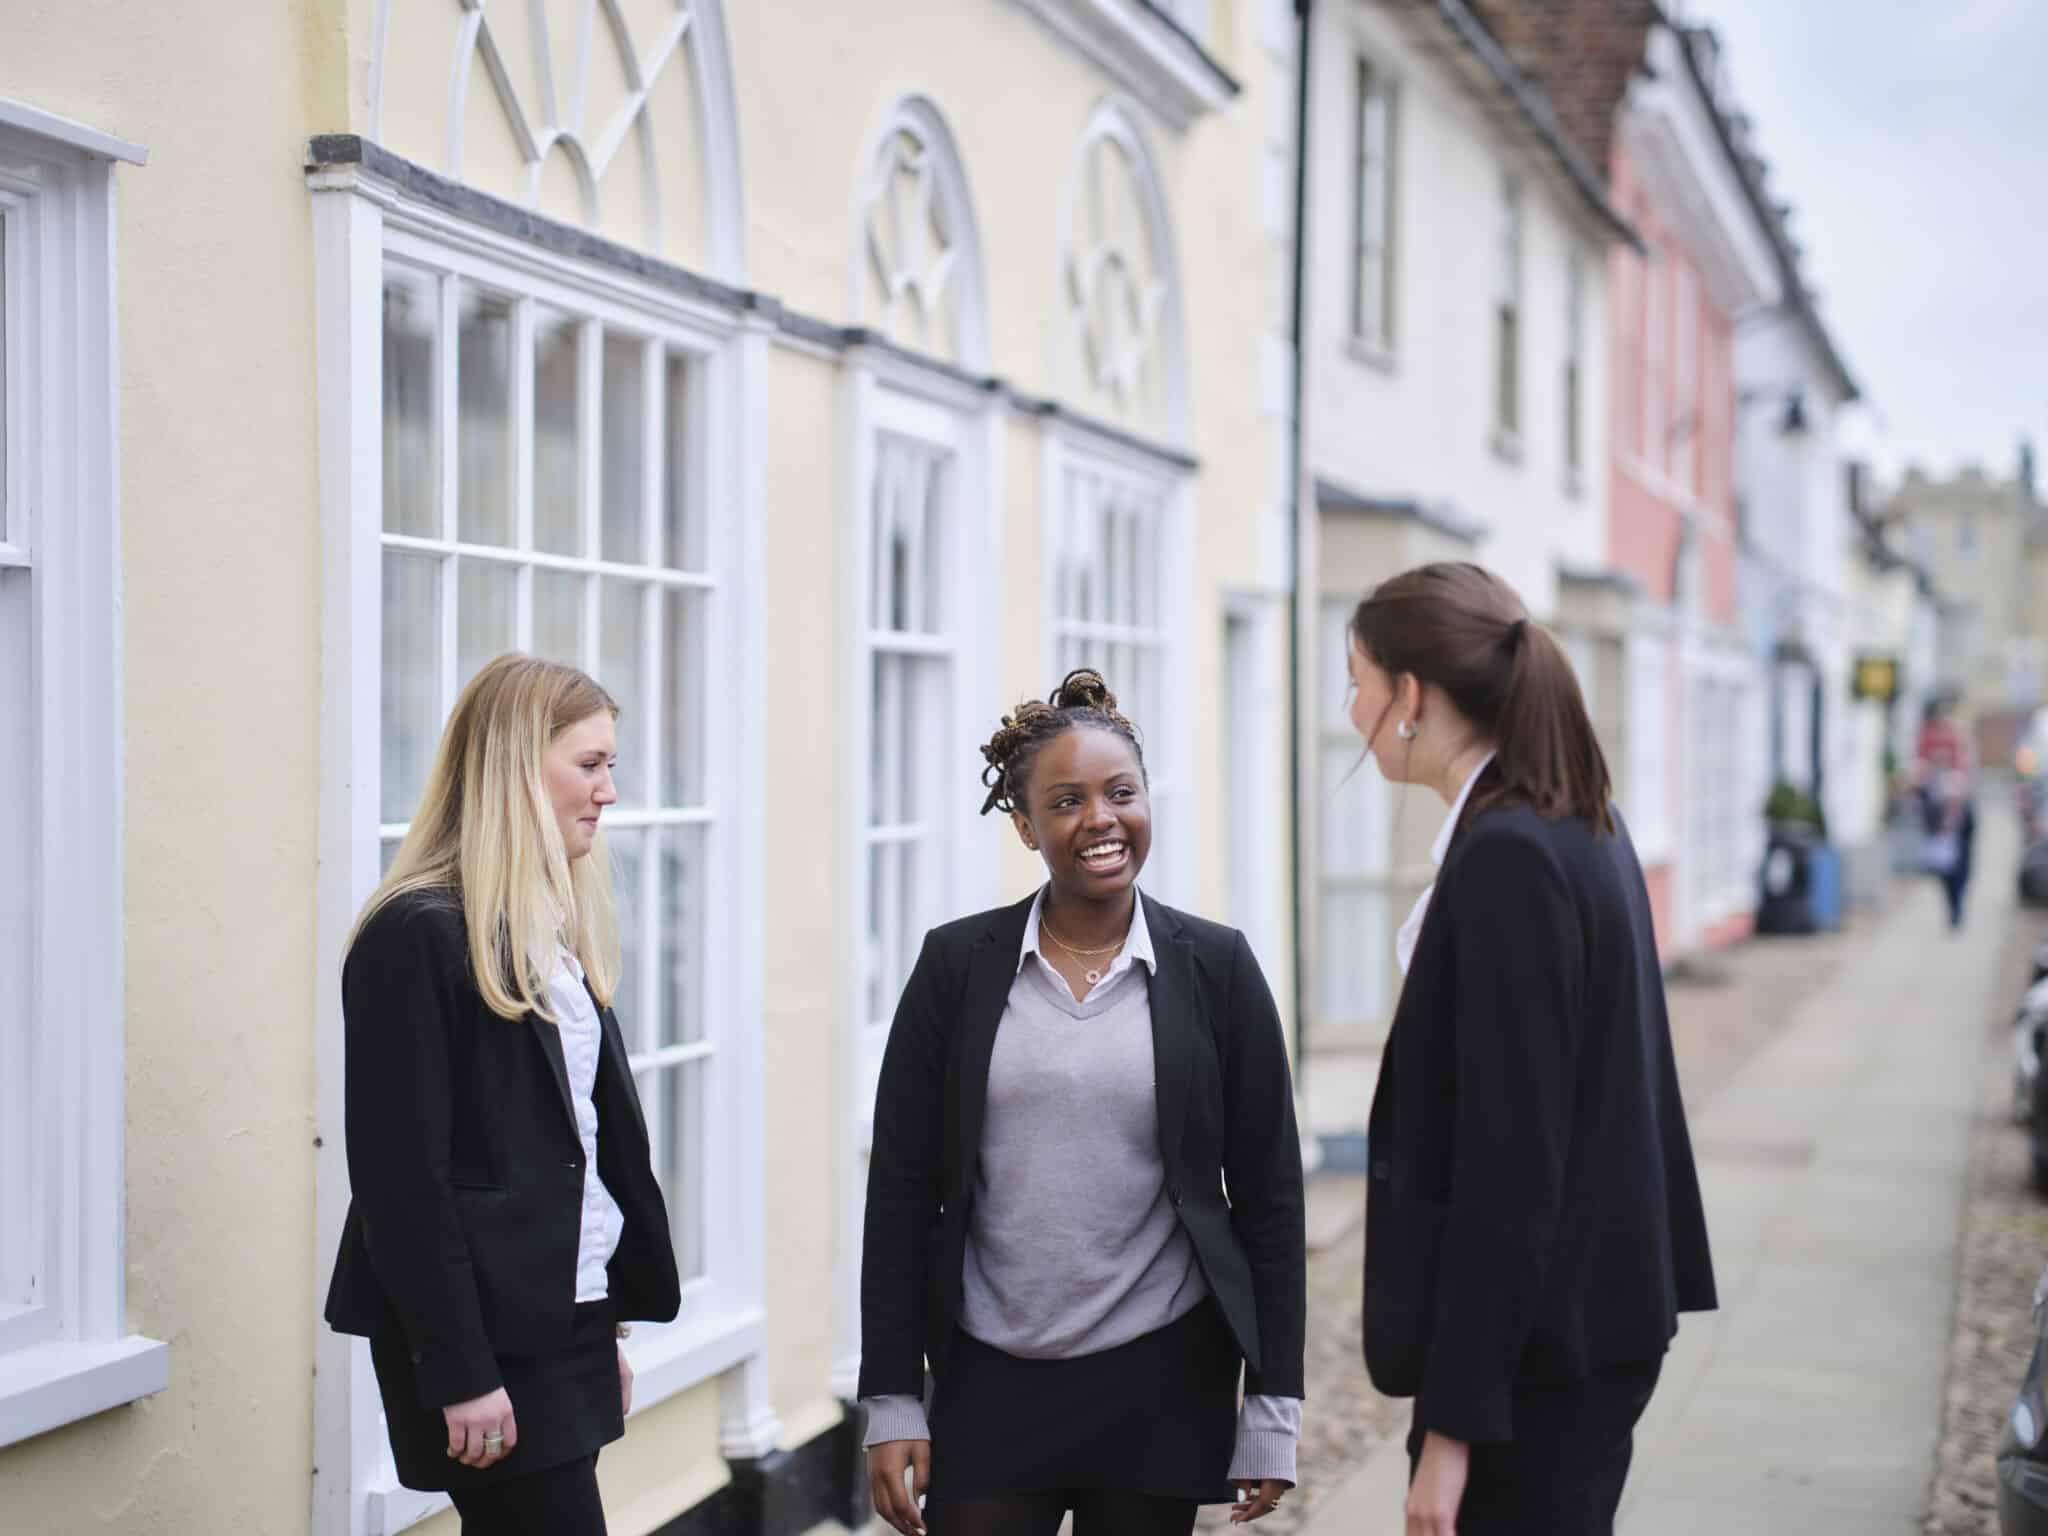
x,y
582,1042
1137,949
1411,930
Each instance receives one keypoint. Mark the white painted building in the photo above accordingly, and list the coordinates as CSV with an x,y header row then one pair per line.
x,y
1455,407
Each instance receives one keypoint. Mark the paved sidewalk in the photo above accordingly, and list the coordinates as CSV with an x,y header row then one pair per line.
x,y
1834,1163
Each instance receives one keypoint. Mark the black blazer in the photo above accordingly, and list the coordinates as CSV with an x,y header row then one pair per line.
x,y
1226,1116
1533,1213
466,1167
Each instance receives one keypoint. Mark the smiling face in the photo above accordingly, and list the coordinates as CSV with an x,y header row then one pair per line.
x,y
577,770
1087,813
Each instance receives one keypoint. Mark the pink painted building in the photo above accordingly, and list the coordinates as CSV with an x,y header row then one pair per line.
x,y
1687,736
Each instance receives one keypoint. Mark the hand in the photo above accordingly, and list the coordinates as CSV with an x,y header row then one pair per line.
x,y
887,1463
625,1383
1438,1487
1257,1500
469,1422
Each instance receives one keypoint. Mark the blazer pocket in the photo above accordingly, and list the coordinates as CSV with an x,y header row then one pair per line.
x,y
1402,1251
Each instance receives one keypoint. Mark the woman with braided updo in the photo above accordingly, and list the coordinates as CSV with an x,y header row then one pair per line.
x,y
1071,1085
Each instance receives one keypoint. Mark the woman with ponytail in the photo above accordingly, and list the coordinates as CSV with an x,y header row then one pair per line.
x,y
1533,1217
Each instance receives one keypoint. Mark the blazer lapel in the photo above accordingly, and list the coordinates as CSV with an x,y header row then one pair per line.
x,y
551,1047
991,970
1176,1008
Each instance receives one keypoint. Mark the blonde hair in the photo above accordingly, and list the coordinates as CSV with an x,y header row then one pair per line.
x,y
485,835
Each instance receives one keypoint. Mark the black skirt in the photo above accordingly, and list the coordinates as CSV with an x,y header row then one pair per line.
x,y
1155,1416
565,1405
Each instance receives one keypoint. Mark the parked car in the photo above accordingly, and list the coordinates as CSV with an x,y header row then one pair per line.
x,y
2030,777
2023,1449
2030,1084
2034,875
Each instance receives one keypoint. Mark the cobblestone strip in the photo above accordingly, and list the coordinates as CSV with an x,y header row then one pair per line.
x,y
2005,1242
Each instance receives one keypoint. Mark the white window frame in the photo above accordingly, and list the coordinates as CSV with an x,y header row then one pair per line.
x,y
1656,444
361,224
889,394
1509,339
1573,404
1337,741
1685,301
1650,654
1070,449
65,1349
1374,207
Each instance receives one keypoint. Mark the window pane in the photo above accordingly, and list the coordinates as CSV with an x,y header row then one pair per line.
x,y
412,678
623,673
881,1002
486,594
483,408
680,1160
412,457
624,847
557,479
623,432
937,590
19,900
1354,957
885,774
682,525
681,882
685,655
558,615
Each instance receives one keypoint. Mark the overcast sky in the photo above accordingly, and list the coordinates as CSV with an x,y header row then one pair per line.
x,y
1911,138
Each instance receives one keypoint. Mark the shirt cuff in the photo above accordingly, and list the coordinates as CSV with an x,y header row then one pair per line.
x,y
894,1416
1268,1432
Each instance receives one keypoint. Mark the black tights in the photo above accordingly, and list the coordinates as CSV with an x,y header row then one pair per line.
x,y
1097,1512
560,1501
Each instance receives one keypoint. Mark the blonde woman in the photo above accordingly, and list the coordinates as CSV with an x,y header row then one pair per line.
x,y
506,1219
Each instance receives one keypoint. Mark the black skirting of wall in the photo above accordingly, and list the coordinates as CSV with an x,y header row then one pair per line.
x,y
787,1492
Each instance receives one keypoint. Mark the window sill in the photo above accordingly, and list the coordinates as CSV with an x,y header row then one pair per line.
x,y
1377,355
1506,445
49,1385
665,1361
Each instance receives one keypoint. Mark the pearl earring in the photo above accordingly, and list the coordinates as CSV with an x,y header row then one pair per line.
x,y
1406,730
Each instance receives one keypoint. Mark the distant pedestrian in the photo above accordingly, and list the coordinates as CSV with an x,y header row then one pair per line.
x,y
1084,1209
505,1216
1534,1223
1949,814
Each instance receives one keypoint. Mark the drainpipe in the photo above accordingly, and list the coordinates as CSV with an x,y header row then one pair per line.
x,y
1295,434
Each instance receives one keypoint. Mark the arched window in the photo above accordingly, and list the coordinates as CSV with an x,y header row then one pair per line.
x,y
530,441
1116,478
919,549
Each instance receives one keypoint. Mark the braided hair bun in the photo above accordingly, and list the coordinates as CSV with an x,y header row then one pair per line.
x,y
1082,699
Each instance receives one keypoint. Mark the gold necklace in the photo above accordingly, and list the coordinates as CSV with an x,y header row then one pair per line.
x,y
1094,974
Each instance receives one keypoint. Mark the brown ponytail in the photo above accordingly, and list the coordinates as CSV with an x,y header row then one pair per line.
x,y
1463,629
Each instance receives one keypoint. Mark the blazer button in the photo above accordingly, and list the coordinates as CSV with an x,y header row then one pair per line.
x,y
1383,1169
572,1165
1173,1194
415,1357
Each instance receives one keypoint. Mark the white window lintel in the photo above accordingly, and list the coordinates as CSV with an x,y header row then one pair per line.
x,y
62,130
1143,52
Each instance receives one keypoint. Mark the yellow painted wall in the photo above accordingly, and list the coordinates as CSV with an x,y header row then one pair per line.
x,y
222,582
221,672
